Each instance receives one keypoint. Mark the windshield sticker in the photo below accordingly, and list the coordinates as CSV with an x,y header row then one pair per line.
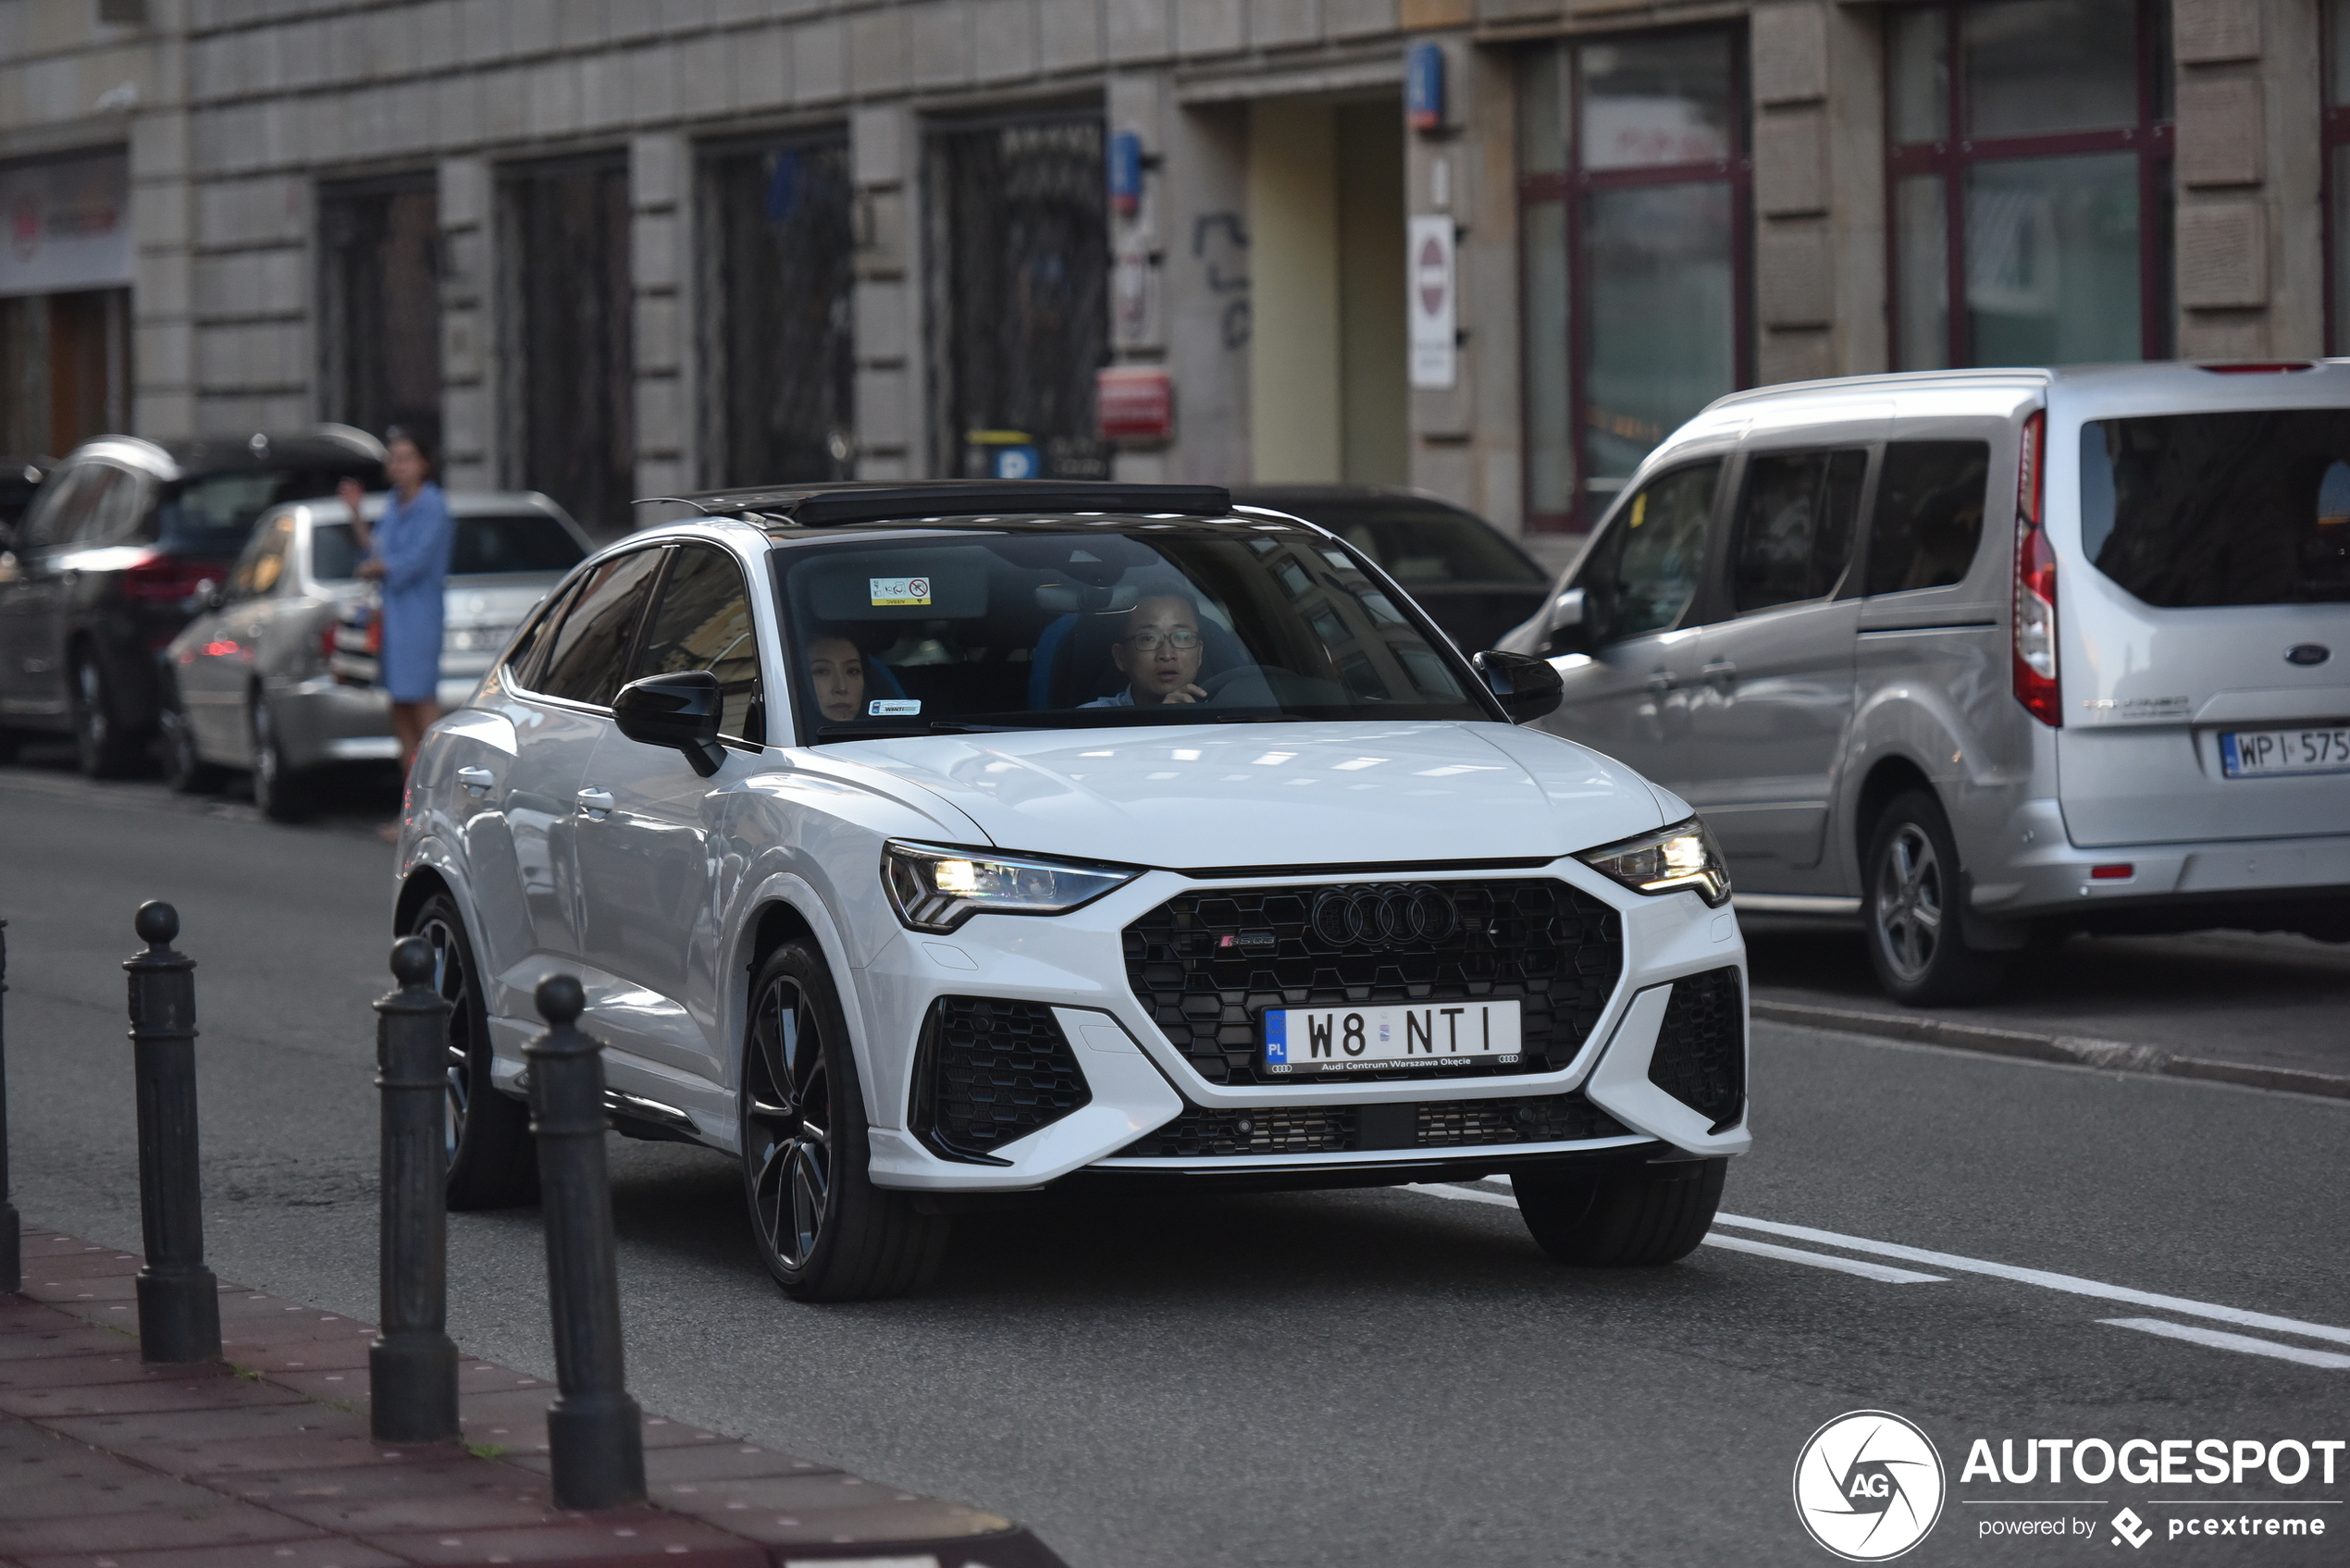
x,y
899,590
894,707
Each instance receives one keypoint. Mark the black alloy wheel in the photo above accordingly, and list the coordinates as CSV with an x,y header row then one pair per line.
x,y
280,790
493,1159
1917,941
1626,1217
103,745
184,769
823,1229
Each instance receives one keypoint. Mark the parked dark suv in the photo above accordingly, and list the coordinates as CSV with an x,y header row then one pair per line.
x,y
117,553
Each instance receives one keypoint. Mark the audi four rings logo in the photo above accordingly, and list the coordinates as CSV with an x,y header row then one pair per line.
x,y
1380,917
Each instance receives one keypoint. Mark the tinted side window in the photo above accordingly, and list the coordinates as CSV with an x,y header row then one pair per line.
x,y
523,659
529,541
1929,513
1795,526
592,644
109,505
1643,573
60,506
702,621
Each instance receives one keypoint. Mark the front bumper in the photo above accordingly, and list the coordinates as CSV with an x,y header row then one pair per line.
x,y
1404,1129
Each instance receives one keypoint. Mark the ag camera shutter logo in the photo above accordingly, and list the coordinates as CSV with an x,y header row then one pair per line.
x,y
1869,1485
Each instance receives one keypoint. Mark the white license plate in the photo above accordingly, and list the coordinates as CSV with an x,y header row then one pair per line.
x,y
2260,754
1299,1040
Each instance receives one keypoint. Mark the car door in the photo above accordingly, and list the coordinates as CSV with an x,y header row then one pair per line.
x,y
1627,691
215,674
32,593
650,887
1767,725
557,725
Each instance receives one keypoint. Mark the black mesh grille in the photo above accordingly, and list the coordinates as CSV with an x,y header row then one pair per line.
x,y
1307,1130
990,1071
1700,1047
1208,964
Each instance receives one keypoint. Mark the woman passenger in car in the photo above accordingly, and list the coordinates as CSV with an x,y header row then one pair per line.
x,y
1158,652
836,669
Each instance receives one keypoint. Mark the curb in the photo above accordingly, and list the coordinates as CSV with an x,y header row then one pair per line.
x,y
2113,1055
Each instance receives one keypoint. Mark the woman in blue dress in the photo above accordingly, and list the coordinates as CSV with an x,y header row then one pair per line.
x,y
408,557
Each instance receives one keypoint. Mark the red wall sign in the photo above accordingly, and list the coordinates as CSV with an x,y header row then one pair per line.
x,y
1135,402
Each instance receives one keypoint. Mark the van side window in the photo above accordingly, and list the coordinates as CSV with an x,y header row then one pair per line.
x,y
1795,526
1929,513
1643,572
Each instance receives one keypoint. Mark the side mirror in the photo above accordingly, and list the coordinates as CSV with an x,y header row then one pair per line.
x,y
679,712
1567,632
1528,687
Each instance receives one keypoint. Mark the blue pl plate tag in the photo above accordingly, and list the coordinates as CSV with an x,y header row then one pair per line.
x,y
1277,1039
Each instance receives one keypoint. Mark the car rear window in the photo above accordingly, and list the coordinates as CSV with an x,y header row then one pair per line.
x,y
2193,509
520,542
1929,514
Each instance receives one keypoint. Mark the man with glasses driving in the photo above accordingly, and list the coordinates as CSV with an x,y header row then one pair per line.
x,y
1158,652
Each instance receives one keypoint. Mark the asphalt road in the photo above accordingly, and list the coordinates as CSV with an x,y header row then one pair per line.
x,y
1386,1377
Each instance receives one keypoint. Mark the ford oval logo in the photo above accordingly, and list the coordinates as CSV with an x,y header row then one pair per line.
x,y
2307,653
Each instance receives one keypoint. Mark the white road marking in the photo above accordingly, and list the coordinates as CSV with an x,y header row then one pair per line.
x,y
2218,1340
1731,1243
1821,1260
2072,1284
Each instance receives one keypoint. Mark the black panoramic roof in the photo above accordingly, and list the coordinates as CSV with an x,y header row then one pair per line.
x,y
820,506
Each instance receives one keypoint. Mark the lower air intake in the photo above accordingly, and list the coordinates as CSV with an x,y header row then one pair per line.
x,y
989,1071
1700,1047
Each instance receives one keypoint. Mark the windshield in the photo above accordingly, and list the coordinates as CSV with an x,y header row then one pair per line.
x,y
521,542
1140,624
2194,510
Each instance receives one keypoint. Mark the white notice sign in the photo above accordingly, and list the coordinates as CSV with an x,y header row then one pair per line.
x,y
1429,280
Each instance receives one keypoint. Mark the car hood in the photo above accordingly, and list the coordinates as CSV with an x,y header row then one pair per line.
x,y
1269,794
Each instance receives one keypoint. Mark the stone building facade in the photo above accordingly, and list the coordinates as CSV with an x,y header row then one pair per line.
x,y
627,248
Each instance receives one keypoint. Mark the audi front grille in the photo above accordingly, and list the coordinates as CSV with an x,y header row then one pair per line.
x,y
1208,964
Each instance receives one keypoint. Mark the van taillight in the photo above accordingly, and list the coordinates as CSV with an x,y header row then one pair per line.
x,y
2035,585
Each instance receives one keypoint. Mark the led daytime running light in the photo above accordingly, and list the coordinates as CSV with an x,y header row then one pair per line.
x,y
1681,858
937,887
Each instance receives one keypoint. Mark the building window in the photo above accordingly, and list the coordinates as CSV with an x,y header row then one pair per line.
x,y
1019,248
566,376
2337,179
777,348
1634,199
2029,169
379,303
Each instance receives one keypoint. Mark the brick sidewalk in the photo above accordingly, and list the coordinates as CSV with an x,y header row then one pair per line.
x,y
265,1461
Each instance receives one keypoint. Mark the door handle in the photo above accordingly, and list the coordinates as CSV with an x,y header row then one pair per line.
x,y
595,804
476,780
1721,672
1661,680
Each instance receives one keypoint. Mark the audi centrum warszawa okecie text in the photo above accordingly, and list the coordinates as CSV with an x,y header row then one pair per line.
x,y
922,842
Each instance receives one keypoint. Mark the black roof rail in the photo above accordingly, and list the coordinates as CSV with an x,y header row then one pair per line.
x,y
818,506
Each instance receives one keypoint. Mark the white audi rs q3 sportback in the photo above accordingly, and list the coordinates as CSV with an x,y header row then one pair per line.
x,y
926,841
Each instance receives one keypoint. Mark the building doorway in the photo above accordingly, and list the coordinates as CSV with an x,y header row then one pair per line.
x,y
1327,390
380,305
65,370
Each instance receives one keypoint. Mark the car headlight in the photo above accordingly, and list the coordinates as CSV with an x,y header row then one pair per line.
x,y
937,887
1682,856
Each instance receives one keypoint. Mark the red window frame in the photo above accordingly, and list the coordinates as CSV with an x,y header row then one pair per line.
x,y
1950,155
1573,187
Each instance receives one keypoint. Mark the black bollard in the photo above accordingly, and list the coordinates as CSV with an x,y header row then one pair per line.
x,y
412,1367
178,1300
595,1439
11,1252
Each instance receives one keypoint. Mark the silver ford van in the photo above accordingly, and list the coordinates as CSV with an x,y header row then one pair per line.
x,y
1985,656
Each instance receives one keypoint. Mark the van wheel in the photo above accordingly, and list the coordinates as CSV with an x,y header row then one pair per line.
x,y
1912,904
1647,1214
493,1159
823,1229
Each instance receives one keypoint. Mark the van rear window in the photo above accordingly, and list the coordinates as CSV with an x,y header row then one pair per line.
x,y
2194,510
1929,514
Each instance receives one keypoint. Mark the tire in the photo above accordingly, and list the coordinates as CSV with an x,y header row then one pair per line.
x,y
493,1159
104,745
1911,899
823,1229
1630,1217
184,768
281,790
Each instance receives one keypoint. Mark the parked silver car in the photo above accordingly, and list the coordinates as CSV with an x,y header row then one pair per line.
x,y
1978,657
253,683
